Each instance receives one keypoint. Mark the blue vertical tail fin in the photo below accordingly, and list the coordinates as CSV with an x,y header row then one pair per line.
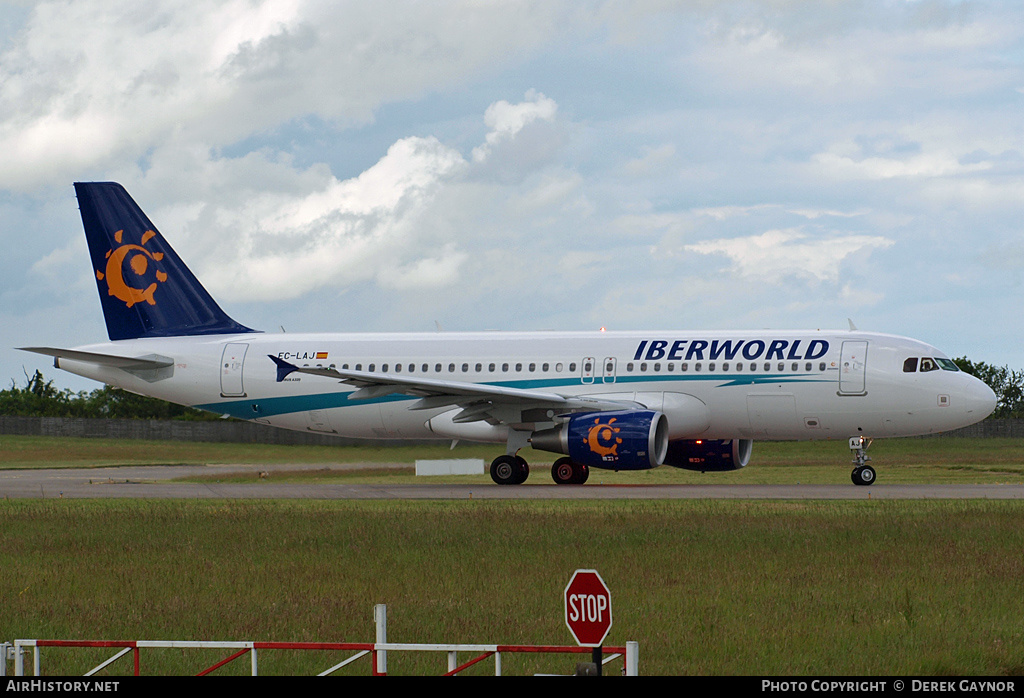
x,y
145,288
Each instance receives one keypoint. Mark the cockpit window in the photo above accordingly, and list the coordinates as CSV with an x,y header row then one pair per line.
x,y
928,363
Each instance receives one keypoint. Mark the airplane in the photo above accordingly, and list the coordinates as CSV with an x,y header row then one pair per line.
x,y
607,400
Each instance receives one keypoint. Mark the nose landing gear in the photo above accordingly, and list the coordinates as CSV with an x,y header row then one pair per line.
x,y
863,474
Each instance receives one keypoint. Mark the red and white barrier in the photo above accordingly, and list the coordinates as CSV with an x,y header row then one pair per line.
x,y
377,651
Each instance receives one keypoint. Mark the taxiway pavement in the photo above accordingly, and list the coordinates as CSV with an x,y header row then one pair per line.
x,y
158,482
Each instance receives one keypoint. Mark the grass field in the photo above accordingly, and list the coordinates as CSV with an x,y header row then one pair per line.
x,y
937,460
706,587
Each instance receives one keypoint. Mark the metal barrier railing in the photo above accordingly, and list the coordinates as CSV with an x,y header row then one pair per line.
x,y
377,651
628,653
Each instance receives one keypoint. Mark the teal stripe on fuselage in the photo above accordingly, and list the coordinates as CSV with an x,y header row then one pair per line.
x,y
269,407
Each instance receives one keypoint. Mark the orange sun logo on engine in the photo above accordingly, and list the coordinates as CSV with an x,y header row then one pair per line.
x,y
138,261
601,438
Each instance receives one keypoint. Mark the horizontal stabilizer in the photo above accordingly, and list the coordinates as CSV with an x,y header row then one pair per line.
x,y
150,361
150,368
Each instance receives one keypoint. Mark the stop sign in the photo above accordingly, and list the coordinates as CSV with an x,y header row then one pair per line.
x,y
588,608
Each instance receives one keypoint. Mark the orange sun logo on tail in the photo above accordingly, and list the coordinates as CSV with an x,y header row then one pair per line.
x,y
138,261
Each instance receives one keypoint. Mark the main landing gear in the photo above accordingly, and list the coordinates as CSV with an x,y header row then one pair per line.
x,y
509,470
863,474
567,472
513,470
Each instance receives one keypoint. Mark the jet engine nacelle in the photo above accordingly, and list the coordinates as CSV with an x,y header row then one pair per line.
x,y
709,455
621,440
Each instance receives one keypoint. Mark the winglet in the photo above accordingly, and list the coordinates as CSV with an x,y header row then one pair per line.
x,y
284,369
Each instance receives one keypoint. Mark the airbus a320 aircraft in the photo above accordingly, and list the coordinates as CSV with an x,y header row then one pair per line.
x,y
612,400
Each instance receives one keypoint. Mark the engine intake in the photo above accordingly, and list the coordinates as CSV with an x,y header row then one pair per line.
x,y
621,440
709,455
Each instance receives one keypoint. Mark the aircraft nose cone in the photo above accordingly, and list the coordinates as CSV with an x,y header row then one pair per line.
x,y
980,400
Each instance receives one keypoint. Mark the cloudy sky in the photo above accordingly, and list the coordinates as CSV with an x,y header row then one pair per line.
x,y
399,165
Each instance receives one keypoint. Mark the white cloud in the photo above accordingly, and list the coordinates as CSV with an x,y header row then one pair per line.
x,y
386,224
859,297
848,51
721,213
549,190
88,82
506,120
813,214
653,161
98,84
935,164
777,254
54,266
339,234
433,272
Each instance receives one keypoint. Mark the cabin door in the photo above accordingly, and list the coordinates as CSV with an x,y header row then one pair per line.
x,y
853,368
231,363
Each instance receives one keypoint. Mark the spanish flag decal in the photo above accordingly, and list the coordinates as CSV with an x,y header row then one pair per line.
x,y
321,355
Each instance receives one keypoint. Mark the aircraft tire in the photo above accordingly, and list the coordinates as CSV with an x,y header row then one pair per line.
x,y
864,475
506,470
563,472
582,473
522,470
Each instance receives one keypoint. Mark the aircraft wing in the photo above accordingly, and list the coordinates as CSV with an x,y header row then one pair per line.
x,y
479,401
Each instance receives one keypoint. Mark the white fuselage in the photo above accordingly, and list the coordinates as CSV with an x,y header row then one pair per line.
x,y
761,385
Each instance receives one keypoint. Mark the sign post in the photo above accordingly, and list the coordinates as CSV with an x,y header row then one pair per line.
x,y
588,611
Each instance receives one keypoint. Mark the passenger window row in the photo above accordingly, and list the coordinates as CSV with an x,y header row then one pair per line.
x,y
724,367
559,367
533,367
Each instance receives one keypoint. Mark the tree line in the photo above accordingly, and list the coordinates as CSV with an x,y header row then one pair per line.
x,y
38,397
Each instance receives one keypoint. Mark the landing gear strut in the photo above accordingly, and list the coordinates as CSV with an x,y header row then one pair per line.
x,y
863,474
